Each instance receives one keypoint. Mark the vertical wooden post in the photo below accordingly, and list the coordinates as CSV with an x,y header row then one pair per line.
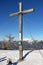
x,y
20,33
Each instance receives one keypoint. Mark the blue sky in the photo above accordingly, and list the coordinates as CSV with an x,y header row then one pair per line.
x,y
32,22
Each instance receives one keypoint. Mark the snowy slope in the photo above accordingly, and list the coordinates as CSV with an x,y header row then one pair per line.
x,y
30,57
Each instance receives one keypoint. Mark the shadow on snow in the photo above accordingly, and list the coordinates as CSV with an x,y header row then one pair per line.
x,y
27,54
3,59
15,63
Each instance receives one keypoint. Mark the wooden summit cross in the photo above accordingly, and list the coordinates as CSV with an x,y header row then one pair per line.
x,y
20,13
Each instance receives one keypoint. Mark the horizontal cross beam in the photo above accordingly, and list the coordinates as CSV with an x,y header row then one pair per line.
x,y
22,12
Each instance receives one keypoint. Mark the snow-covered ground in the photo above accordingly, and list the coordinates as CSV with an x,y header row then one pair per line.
x,y
34,57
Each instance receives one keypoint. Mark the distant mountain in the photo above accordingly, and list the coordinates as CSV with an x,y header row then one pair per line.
x,y
0,45
26,45
29,40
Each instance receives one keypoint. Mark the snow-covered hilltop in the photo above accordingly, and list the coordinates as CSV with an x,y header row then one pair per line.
x,y
31,57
